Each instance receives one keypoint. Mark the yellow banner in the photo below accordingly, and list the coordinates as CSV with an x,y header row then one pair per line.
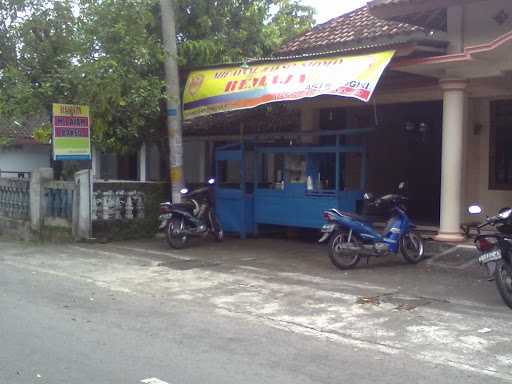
x,y
231,88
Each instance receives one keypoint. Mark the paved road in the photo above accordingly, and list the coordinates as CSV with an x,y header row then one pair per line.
x,y
267,311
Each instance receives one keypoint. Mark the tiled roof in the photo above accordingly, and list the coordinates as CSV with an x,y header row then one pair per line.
x,y
384,3
22,133
377,3
357,28
389,9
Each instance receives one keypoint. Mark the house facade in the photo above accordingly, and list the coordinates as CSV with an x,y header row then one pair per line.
x,y
442,111
20,153
444,104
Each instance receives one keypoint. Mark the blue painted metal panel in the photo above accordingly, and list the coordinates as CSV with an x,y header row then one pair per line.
x,y
292,206
318,149
296,209
228,155
228,209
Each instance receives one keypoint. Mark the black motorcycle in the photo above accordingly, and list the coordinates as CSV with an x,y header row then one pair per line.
x,y
193,217
496,250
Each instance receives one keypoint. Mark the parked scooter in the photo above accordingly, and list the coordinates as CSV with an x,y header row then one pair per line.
x,y
352,236
496,250
193,217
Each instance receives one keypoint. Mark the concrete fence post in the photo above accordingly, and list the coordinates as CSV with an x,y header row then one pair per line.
x,y
37,199
82,206
143,162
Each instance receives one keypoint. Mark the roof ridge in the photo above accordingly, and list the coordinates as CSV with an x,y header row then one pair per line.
x,y
352,27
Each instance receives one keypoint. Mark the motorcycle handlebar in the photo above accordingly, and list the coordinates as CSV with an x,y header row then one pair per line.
x,y
493,220
396,199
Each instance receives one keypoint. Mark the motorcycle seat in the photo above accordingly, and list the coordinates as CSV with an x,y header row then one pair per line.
x,y
355,216
183,207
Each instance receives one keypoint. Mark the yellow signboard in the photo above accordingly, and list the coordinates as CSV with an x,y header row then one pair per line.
x,y
230,88
71,132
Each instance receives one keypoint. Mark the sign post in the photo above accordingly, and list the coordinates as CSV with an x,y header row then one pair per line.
x,y
71,137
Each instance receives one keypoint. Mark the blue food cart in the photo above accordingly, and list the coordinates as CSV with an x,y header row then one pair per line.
x,y
288,184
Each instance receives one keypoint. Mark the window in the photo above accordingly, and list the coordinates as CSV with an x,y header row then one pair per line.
x,y
229,174
271,175
500,152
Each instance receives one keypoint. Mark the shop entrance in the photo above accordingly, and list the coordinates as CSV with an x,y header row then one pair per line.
x,y
405,146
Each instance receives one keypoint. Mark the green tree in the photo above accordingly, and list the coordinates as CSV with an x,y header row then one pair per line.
x,y
108,54
38,67
220,31
121,69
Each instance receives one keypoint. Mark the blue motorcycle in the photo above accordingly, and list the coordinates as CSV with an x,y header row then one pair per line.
x,y
353,236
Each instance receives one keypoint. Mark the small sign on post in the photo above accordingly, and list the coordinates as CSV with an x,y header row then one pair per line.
x,y
71,132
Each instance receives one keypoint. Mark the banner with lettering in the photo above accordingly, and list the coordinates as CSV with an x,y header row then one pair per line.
x,y
231,88
71,132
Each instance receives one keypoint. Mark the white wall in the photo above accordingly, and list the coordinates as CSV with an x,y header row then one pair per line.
x,y
476,188
153,159
108,167
479,26
24,158
476,151
194,154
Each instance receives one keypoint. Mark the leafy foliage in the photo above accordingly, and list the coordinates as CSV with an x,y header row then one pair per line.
x,y
43,134
233,30
108,54
6,141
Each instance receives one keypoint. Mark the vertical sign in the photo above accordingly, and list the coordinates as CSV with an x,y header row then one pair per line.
x,y
71,132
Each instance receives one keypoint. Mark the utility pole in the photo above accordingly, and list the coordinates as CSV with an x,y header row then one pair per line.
x,y
173,98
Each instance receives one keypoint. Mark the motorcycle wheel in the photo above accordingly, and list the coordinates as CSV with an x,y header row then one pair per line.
x,y
411,248
504,282
217,230
175,236
341,258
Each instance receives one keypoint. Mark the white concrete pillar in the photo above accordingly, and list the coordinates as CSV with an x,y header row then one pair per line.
x,y
454,97
37,198
96,163
143,162
82,207
455,15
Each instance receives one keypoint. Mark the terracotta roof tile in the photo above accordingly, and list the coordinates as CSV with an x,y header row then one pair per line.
x,y
378,3
22,132
358,26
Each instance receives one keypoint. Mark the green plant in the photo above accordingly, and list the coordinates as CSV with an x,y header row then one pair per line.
x,y
43,134
6,141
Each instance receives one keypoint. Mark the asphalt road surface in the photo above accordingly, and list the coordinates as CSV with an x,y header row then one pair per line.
x,y
266,312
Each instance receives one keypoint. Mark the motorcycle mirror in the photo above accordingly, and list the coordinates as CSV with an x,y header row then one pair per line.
x,y
505,213
368,196
211,181
475,209
184,191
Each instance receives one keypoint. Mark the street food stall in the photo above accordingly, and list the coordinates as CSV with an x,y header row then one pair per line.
x,y
288,185
286,182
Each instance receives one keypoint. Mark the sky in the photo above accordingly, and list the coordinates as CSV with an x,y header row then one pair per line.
x,y
327,9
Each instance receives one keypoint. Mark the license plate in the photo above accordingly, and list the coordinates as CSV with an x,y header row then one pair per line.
x,y
327,228
165,216
163,220
490,256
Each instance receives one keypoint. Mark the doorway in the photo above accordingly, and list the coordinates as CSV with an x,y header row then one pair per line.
x,y
405,146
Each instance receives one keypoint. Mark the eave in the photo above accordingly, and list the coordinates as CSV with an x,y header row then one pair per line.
x,y
410,45
387,9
